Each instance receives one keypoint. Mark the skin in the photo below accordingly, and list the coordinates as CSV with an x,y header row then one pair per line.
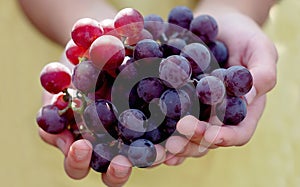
x,y
252,49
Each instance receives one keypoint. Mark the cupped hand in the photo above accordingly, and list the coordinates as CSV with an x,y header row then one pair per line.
x,y
249,46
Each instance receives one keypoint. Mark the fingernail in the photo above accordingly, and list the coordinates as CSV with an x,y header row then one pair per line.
x,y
202,148
60,143
250,95
81,154
121,172
219,142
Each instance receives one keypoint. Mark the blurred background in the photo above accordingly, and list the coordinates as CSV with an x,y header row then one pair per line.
x,y
271,158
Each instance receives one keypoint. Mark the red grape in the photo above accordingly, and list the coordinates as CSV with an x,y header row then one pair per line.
x,y
55,77
85,31
74,52
129,22
107,52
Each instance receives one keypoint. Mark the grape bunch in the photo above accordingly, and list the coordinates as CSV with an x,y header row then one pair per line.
x,y
135,77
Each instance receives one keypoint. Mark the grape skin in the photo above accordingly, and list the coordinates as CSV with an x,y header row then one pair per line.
x,y
205,27
147,48
85,76
198,56
210,90
49,119
107,53
238,80
232,110
141,153
128,22
181,16
155,25
175,70
85,31
55,77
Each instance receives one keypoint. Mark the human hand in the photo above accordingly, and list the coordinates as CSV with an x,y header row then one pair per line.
x,y
249,46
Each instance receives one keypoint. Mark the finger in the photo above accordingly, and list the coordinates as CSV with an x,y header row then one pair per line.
x,y
192,128
160,155
62,141
182,147
77,162
172,160
262,65
118,172
240,134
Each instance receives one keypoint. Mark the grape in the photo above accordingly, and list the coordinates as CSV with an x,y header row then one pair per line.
x,y
100,117
181,16
150,88
238,80
232,110
205,27
132,124
153,133
141,153
74,53
103,86
85,31
133,40
219,73
175,103
155,25
136,102
101,156
147,48
85,76
173,46
210,90
108,27
49,119
107,53
220,52
55,77
128,22
175,70
62,103
199,57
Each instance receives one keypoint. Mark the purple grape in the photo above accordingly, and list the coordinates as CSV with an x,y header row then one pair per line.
x,y
101,156
232,110
199,57
132,125
205,27
219,73
181,16
100,117
220,52
85,76
153,133
155,25
142,153
49,119
136,102
238,80
173,46
150,88
210,90
147,48
175,103
175,70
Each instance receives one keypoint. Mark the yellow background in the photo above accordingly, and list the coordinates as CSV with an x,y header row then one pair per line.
x,y
270,159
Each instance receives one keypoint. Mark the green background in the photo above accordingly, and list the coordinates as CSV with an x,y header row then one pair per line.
x,y
271,158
